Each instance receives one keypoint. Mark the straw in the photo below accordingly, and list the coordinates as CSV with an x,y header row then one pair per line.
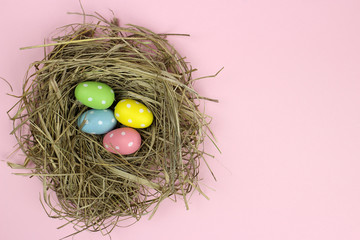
x,y
82,182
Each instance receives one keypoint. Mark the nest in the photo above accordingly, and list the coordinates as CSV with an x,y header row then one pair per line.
x,y
82,182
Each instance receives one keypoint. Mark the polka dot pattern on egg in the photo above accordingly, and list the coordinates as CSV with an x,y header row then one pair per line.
x,y
95,95
122,141
96,121
133,114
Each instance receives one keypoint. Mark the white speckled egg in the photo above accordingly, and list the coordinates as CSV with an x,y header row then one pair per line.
x,y
97,121
96,95
122,141
133,114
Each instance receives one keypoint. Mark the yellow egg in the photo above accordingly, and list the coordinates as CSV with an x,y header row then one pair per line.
x,y
133,114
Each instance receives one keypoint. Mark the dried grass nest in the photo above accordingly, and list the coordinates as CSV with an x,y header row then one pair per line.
x,y
82,182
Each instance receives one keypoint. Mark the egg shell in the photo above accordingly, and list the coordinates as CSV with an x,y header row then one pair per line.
x,y
95,95
134,114
97,121
122,141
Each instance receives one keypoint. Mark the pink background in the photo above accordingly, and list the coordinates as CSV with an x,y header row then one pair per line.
x,y
288,121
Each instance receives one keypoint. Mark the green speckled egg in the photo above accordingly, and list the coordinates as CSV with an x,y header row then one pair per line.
x,y
95,95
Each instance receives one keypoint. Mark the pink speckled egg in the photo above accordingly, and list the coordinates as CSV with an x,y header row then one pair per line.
x,y
122,141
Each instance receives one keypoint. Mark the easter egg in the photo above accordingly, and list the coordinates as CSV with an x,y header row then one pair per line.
x,y
133,114
122,141
96,95
97,121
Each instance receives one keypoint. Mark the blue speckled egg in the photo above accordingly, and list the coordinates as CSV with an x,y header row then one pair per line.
x,y
97,121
